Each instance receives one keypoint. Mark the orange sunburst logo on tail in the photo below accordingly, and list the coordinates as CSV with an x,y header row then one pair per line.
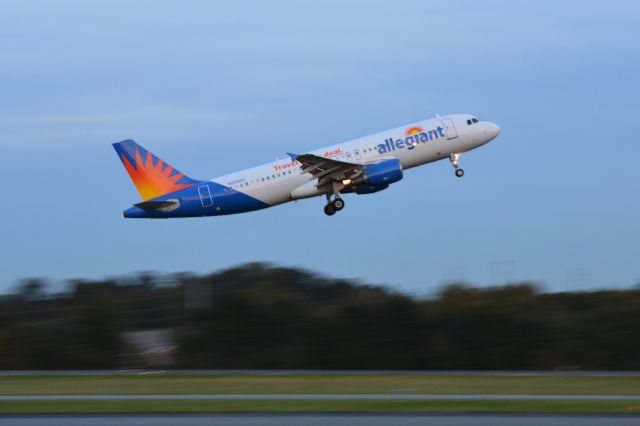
x,y
153,180
413,130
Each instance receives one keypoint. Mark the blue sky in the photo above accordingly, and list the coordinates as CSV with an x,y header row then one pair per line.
x,y
213,87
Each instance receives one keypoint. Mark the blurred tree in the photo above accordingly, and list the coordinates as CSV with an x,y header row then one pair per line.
x,y
32,288
263,316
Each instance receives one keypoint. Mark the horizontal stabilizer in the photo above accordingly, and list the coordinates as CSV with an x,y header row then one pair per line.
x,y
159,205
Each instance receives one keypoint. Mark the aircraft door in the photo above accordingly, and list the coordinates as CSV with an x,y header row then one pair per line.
x,y
449,128
349,156
357,153
205,195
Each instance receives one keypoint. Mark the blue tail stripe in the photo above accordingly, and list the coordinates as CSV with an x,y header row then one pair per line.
x,y
226,200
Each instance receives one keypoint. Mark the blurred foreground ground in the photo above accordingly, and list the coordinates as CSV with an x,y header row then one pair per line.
x,y
336,383
324,393
322,420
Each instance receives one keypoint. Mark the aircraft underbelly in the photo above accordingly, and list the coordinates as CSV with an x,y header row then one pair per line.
x,y
276,194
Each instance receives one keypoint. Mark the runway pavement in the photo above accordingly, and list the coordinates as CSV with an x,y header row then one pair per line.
x,y
322,420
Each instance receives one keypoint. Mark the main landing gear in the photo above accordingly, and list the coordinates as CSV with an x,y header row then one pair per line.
x,y
455,162
333,206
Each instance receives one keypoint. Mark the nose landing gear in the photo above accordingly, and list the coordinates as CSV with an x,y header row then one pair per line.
x,y
455,162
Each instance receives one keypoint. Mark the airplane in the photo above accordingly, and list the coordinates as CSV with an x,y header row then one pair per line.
x,y
361,166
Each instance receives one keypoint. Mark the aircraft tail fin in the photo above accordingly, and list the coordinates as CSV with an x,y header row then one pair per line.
x,y
152,176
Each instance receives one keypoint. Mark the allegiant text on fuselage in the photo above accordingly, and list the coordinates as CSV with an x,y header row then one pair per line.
x,y
410,142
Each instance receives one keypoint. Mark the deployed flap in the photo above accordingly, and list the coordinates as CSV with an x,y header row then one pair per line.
x,y
327,169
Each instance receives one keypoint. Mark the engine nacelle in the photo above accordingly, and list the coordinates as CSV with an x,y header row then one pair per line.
x,y
368,189
383,173
376,177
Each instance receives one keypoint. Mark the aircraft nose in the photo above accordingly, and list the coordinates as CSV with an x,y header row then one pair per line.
x,y
492,130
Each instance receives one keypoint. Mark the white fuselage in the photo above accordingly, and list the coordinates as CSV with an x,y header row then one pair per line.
x,y
414,145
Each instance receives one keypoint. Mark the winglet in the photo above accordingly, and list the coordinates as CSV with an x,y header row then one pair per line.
x,y
293,156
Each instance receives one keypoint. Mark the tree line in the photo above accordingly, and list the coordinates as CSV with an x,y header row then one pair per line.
x,y
260,316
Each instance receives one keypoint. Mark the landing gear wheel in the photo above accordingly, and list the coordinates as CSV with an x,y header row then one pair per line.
x,y
338,204
459,172
329,210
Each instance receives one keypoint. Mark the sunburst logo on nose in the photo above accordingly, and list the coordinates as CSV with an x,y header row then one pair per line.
x,y
413,130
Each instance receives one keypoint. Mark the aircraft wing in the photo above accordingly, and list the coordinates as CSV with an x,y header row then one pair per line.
x,y
327,169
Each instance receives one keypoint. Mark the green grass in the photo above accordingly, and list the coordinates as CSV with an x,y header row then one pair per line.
x,y
309,383
317,406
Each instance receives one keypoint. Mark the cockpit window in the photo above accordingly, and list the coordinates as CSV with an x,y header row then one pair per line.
x,y
475,120
468,122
